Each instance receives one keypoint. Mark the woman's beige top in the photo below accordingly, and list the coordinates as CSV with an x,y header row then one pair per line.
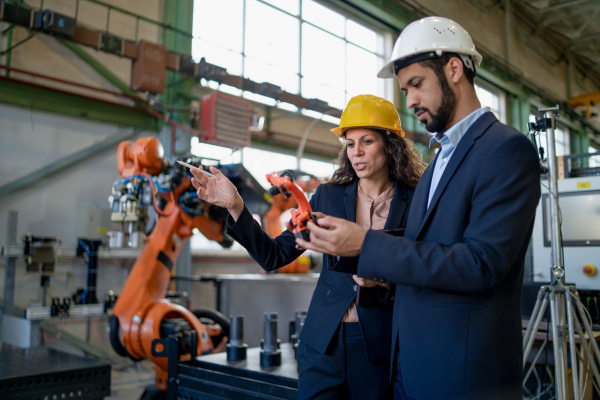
x,y
370,214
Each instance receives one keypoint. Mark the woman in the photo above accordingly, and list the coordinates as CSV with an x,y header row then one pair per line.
x,y
344,349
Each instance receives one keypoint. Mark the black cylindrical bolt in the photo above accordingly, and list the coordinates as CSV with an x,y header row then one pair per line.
x,y
271,316
270,356
300,318
298,325
236,348
236,330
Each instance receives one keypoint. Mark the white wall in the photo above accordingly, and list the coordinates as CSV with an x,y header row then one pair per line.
x,y
30,140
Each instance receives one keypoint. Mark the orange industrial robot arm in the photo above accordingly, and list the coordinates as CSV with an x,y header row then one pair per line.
x,y
300,216
272,223
141,312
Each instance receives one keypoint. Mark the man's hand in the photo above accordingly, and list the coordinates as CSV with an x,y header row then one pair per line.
x,y
335,236
368,283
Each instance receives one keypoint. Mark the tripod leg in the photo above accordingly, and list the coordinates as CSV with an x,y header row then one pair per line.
x,y
588,329
587,350
572,345
534,362
559,343
536,317
585,344
542,297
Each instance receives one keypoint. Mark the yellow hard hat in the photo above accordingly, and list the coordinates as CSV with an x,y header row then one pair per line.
x,y
368,111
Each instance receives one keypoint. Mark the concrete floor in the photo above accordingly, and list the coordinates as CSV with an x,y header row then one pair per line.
x,y
129,381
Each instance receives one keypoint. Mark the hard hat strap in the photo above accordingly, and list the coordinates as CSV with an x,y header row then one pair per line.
x,y
468,61
406,61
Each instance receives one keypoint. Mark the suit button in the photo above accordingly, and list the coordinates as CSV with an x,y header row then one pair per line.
x,y
355,287
375,278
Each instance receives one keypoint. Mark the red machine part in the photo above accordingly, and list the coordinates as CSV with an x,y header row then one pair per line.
x,y
225,120
272,224
301,215
140,308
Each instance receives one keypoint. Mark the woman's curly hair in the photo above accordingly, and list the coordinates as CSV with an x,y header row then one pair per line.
x,y
405,164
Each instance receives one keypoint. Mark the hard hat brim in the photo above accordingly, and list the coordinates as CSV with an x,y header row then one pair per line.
x,y
340,131
387,71
397,65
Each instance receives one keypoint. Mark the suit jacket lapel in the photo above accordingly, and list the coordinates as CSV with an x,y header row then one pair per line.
x,y
462,149
350,200
418,207
397,208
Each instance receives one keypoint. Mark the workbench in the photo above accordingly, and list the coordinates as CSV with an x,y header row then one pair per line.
x,y
45,373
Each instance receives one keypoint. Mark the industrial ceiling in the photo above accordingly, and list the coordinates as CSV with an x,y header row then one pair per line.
x,y
557,30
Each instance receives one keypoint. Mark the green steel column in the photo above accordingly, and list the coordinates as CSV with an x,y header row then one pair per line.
x,y
579,142
519,113
9,54
178,14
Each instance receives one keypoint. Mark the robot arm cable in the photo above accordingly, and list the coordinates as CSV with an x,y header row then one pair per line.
x,y
172,197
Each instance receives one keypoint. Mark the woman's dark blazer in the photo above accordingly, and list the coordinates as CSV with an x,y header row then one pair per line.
x,y
335,291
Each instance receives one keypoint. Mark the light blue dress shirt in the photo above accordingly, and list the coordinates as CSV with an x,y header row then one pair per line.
x,y
449,140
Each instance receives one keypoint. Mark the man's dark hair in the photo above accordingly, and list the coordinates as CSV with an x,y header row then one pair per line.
x,y
438,64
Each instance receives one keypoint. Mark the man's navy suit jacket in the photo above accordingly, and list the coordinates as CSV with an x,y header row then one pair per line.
x,y
335,291
459,269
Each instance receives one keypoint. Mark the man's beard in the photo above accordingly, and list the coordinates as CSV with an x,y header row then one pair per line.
x,y
439,121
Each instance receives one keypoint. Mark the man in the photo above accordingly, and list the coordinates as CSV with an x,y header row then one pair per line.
x,y
459,267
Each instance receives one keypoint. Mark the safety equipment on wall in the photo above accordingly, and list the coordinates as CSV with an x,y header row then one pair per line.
x,y
368,111
429,38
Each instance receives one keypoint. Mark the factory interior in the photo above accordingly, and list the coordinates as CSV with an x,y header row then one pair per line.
x,y
118,282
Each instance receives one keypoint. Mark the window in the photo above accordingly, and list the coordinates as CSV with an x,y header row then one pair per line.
x,y
302,46
492,97
258,163
261,162
594,161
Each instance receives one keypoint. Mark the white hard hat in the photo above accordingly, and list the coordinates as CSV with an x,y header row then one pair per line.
x,y
429,38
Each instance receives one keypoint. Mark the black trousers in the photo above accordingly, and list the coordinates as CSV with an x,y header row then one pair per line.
x,y
343,372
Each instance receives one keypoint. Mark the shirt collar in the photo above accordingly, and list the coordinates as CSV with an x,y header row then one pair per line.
x,y
458,130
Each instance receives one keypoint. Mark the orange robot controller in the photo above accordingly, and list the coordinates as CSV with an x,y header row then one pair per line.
x,y
285,185
141,313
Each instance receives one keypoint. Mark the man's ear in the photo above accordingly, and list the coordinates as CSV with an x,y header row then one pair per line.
x,y
454,69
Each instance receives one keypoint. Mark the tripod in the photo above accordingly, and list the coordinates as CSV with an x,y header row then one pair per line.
x,y
566,309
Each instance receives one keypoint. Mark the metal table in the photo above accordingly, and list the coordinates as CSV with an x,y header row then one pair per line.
x,y
213,377
44,373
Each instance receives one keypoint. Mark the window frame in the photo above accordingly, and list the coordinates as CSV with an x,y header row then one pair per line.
x,y
384,36
502,114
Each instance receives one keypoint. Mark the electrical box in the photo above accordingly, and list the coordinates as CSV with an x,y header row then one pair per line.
x,y
226,120
187,65
579,202
148,69
93,223
112,44
55,23
14,14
